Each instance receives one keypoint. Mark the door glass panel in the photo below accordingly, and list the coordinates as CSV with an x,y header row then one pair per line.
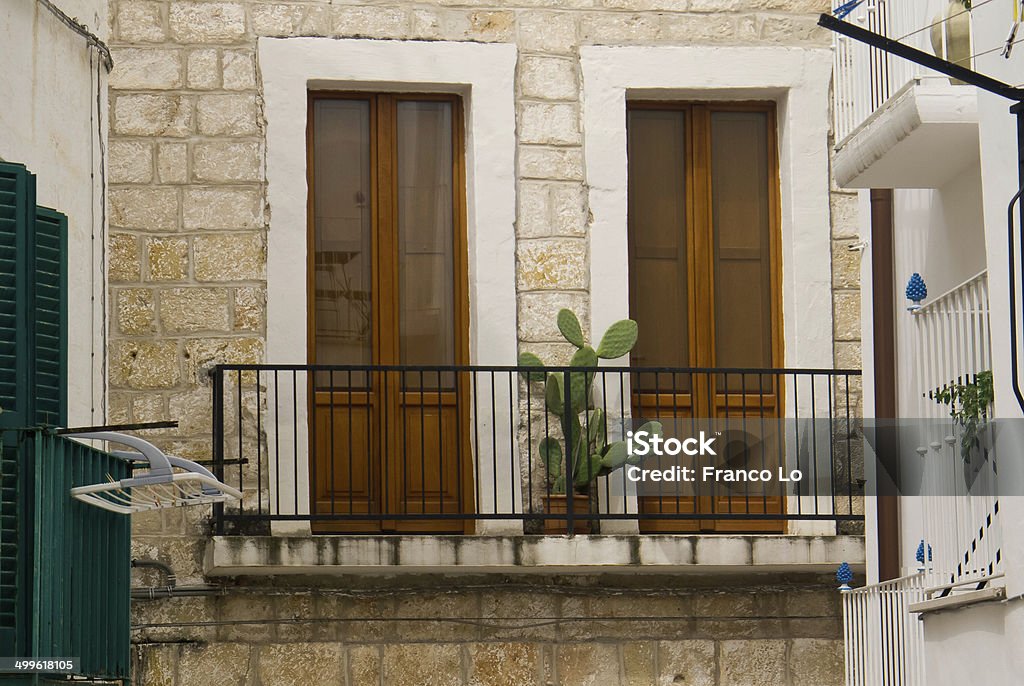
x,y
342,243
658,244
426,269
742,257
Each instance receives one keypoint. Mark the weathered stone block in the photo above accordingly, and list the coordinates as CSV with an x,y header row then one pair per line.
x,y
844,215
428,605
422,664
202,353
549,264
638,664
145,68
144,364
230,257
713,28
549,124
152,115
370,22
221,208
239,70
781,29
549,32
845,265
569,209
172,162
227,115
364,665
207,22
533,217
166,259
537,313
149,407
156,664
752,663
135,311
816,662
687,662
124,258
490,26
226,162
290,20
130,162
848,355
537,162
194,309
203,69
215,663
503,664
140,22
613,27
152,209
552,78
191,410
250,307
847,315
588,664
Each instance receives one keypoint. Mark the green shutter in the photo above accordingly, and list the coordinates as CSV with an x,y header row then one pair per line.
x,y
48,327
17,206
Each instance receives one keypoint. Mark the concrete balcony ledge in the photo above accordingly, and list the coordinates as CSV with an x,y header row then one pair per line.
x,y
921,137
626,554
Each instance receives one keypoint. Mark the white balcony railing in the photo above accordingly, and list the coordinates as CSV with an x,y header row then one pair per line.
x,y
866,77
960,506
884,642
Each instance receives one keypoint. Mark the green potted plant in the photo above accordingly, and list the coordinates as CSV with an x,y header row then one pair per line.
x,y
574,461
969,405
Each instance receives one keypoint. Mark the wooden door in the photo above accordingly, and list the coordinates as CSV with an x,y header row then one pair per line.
x,y
704,289
388,287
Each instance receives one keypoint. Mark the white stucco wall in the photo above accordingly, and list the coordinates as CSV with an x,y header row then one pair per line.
x,y
53,122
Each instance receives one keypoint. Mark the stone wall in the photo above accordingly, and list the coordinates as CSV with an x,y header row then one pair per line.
x,y
501,632
187,256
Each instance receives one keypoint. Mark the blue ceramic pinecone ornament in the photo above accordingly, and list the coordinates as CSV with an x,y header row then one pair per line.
x,y
844,574
916,290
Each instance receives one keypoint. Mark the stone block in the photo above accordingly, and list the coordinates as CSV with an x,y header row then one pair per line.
x,y
140,21
522,608
638,666
790,30
150,209
503,664
191,410
207,22
550,78
194,309
149,407
711,28
125,264
752,663
488,26
172,162
549,124
250,308
848,355
552,264
223,162
569,209
130,162
221,208
145,68
427,605
845,265
230,257
156,664
364,665
203,353
536,162
422,664
845,220
588,664
144,364
687,662
239,70
135,311
290,20
370,22
301,664
224,664
816,662
203,69
548,32
227,115
152,115
618,27
538,312
846,315
166,259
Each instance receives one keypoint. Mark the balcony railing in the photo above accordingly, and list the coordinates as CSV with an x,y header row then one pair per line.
x,y
866,77
478,449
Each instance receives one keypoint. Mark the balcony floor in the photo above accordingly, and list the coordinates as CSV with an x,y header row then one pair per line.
x,y
625,554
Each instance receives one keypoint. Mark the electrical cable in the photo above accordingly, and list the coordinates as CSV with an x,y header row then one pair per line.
x,y
943,20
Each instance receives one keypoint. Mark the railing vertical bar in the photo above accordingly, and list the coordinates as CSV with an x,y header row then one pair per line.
x,y
494,445
333,456
570,493
440,444
349,458
218,443
512,441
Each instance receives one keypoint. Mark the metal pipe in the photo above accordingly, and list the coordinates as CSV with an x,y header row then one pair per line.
x,y
157,592
169,575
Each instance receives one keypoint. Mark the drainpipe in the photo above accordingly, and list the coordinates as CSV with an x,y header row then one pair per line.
x,y
171,589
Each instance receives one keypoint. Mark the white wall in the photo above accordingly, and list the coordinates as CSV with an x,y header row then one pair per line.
x,y
49,122
977,644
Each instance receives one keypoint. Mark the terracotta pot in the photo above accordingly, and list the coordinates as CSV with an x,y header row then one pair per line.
x,y
957,33
558,504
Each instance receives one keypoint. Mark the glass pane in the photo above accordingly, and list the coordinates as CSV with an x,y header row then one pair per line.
x,y
657,242
742,235
426,260
341,235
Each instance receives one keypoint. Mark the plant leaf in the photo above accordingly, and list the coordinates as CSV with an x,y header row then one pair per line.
x,y
527,359
569,325
588,471
580,381
551,453
553,397
615,455
618,340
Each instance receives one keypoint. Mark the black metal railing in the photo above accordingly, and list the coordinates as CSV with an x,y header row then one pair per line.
x,y
464,449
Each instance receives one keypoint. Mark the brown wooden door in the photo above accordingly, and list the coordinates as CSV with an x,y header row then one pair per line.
x,y
387,287
704,289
